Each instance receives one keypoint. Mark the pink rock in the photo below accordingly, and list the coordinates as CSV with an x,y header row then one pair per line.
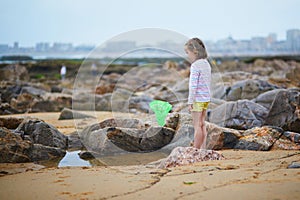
x,y
187,155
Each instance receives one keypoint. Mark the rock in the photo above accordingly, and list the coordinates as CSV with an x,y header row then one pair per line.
x,y
248,89
293,74
284,143
135,140
23,102
86,155
242,114
13,148
42,133
181,156
119,135
41,152
285,110
104,88
6,109
221,138
67,113
294,165
259,139
294,137
33,91
266,99
10,122
52,102
217,137
74,142
14,73
10,91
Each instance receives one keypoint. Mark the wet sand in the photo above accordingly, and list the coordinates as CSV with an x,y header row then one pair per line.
x,y
243,175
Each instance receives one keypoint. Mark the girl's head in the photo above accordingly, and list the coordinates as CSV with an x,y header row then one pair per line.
x,y
195,49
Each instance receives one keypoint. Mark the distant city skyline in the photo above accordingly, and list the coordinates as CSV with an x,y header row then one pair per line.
x,y
267,45
55,43
96,21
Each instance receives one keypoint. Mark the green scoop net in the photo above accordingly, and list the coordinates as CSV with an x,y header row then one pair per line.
x,y
161,110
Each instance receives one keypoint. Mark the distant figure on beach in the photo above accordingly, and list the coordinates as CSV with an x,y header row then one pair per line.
x,y
199,88
94,69
63,72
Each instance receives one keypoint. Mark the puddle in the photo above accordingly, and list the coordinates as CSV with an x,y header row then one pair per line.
x,y
72,159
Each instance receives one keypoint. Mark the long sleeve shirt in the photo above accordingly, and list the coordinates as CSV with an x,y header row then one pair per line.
x,y
199,83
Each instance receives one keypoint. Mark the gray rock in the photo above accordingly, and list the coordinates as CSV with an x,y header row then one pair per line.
x,y
242,114
284,109
67,113
86,155
41,152
33,91
259,139
266,99
43,133
294,165
248,89
13,148
74,142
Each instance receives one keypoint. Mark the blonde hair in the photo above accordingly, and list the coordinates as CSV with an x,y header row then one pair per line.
x,y
196,46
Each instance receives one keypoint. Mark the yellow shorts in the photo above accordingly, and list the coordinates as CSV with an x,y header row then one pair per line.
x,y
200,106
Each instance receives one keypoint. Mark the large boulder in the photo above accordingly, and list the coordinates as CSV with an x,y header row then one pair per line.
x,y
42,133
285,110
242,114
118,135
13,148
217,137
259,139
248,89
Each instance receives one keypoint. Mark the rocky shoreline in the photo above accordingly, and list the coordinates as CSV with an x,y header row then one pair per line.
x,y
255,106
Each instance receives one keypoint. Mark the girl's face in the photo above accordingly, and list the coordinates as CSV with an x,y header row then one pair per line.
x,y
191,55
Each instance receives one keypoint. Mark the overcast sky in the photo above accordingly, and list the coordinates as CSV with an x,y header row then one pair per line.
x,y
95,21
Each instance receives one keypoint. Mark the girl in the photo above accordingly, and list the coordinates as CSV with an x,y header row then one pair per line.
x,y
199,88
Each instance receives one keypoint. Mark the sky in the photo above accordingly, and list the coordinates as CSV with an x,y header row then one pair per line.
x,y
96,21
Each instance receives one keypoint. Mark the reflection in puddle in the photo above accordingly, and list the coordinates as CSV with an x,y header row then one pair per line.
x,y
72,159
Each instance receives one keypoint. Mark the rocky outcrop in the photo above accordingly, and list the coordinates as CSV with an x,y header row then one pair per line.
x,y
33,140
42,133
259,139
248,89
285,110
13,148
14,73
242,114
118,135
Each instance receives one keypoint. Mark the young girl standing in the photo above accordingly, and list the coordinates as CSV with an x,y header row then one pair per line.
x,y
199,88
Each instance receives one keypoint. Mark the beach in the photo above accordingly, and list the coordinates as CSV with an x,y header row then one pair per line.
x,y
242,175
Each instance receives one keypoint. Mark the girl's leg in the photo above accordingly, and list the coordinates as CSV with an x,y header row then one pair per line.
x,y
204,131
198,123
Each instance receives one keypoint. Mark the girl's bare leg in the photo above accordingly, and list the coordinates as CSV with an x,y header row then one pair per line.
x,y
204,131
199,123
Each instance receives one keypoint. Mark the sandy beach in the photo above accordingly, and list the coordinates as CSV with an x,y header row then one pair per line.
x,y
242,175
